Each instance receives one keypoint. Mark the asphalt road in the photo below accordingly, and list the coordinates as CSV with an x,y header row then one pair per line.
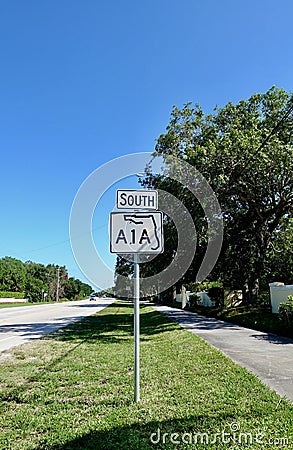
x,y
24,323
268,356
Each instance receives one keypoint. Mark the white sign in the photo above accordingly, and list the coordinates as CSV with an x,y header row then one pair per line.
x,y
137,199
136,232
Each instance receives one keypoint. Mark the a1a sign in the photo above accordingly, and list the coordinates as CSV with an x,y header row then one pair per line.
x,y
136,232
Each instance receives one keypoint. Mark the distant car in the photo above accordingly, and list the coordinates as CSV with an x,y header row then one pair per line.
x,y
92,297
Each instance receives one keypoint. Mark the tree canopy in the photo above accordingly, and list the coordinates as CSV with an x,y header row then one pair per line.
x,y
245,152
35,280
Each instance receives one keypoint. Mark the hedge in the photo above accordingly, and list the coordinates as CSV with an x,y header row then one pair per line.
x,y
4,294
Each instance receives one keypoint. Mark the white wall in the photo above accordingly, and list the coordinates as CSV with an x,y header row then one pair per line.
x,y
13,300
279,293
205,299
183,297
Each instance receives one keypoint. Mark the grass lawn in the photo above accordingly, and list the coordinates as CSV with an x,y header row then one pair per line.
x,y
74,390
11,305
256,318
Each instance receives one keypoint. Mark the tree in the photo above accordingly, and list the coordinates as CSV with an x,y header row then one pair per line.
x,y
34,279
34,289
84,289
245,152
71,289
123,274
279,258
36,270
12,275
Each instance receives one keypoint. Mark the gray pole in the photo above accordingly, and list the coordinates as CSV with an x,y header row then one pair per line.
x,y
58,283
136,329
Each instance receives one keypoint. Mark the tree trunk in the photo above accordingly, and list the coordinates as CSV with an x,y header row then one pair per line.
x,y
250,289
246,294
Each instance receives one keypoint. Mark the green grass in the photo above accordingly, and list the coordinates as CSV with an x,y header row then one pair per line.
x,y
257,318
11,305
74,390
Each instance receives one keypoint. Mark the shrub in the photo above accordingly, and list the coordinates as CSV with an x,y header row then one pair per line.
x,y
4,294
203,286
216,295
286,310
194,299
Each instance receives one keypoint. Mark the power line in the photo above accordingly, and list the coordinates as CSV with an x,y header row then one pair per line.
x,y
59,243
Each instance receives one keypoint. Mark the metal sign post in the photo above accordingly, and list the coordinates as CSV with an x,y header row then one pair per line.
x,y
136,330
136,232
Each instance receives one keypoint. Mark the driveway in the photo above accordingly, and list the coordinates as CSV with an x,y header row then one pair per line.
x,y
21,324
268,356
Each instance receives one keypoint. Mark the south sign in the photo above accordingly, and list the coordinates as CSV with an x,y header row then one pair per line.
x,y
137,199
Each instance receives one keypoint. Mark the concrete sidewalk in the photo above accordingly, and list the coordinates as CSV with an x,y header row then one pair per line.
x,y
268,356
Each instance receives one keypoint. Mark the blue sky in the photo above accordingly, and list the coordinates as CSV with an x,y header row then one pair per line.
x,y
83,82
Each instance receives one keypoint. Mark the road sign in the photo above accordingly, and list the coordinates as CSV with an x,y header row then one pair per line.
x,y
136,232
137,199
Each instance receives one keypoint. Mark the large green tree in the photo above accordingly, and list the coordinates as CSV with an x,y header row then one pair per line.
x,y
245,152
12,275
35,279
279,257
